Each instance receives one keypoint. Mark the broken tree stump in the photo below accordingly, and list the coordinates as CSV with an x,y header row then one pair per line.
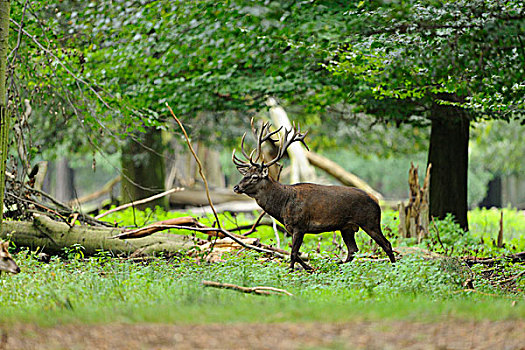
x,y
414,217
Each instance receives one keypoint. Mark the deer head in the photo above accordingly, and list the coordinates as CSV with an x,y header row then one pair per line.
x,y
254,169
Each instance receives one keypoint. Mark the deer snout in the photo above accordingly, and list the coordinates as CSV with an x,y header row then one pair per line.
x,y
236,189
16,270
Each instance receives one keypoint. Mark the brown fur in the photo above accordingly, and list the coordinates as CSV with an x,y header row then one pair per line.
x,y
7,263
312,208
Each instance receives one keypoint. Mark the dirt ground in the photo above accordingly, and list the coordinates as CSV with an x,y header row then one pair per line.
x,y
356,335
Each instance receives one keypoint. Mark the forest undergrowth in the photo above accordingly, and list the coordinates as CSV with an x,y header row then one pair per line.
x,y
434,279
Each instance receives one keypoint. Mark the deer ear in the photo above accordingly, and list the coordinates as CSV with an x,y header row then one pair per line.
x,y
264,172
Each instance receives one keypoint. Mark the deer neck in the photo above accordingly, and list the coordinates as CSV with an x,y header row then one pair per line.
x,y
273,198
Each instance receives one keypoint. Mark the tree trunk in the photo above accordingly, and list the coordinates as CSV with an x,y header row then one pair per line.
x,y
301,168
414,218
5,8
52,236
448,154
143,170
64,181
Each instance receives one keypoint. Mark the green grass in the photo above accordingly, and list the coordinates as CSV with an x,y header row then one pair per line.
x,y
107,289
485,224
102,289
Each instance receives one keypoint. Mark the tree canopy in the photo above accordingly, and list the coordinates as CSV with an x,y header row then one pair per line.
x,y
412,50
110,66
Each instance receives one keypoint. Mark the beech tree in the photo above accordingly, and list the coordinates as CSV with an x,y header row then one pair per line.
x,y
450,62
438,64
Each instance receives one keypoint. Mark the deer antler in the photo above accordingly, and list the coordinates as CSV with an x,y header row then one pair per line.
x,y
240,164
286,141
264,134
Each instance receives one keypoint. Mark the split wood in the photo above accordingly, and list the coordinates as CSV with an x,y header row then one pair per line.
x,y
255,290
142,201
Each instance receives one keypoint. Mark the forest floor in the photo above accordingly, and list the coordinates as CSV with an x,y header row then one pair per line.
x,y
451,334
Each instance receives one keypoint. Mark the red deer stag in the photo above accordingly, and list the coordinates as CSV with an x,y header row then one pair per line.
x,y
307,207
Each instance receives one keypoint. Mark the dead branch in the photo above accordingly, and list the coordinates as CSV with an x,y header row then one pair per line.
x,y
438,236
60,210
255,224
198,163
236,238
512,278
517,257
160,226
108,187
142,201
469,290
255,290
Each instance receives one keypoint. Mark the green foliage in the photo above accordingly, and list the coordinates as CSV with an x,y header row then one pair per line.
x,y
499,147
109,290
75,252
415,51
485,225
105,288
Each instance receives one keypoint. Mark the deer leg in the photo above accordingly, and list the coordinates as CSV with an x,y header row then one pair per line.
x,y
351,245
297,240
380,239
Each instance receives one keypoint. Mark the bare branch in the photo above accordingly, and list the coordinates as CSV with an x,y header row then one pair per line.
x,y
198,163
255,290
142,201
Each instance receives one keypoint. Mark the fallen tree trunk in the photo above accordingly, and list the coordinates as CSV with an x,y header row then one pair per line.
x,y
107,188
197,197
52,236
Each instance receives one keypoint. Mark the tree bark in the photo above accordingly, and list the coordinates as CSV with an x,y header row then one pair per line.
x,y
52,236
143,170
301,168
5,9
64,181
414,217
448,154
